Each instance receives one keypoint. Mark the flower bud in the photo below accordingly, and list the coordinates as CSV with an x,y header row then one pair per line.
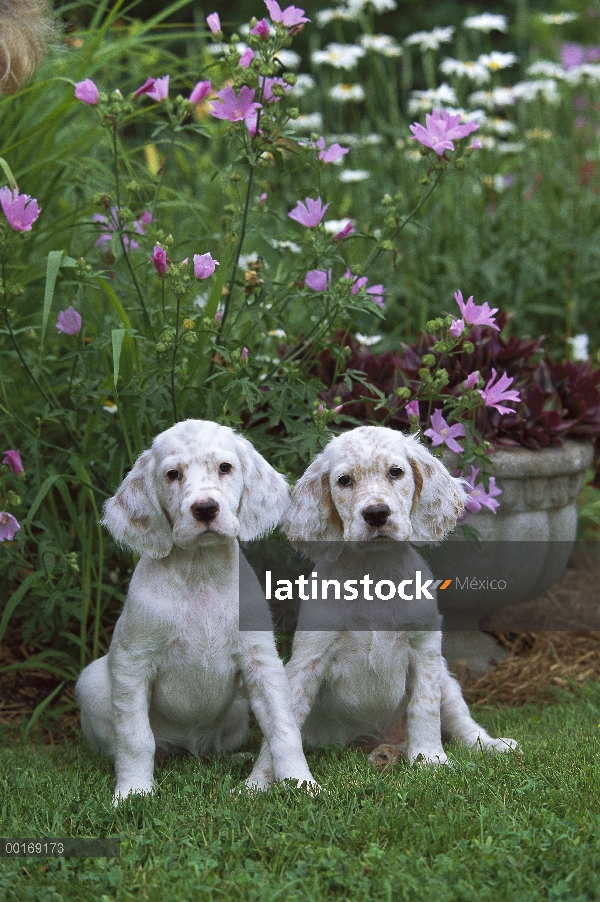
x,y
428,359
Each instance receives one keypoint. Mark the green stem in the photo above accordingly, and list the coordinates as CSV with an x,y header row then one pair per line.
x,y
173,398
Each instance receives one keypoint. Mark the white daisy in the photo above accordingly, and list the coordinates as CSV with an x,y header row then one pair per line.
x,y
580,347
354,175
588,72
496,60
289,59
283,246
345,92
380,6
558,18
474,71
486,22
490,99
367,340
381,43
501,126
430,40
307,122
304,84
507,147
340,56
425,100
546,68
546,88
325,16
333,226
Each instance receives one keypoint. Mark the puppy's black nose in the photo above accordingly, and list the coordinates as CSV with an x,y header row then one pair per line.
x,y
205,511
376,514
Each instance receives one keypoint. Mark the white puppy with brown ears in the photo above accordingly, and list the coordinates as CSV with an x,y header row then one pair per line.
x,y
361,670
179,673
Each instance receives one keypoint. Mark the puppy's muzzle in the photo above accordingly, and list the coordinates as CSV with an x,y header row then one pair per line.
x,y
376,514
205,511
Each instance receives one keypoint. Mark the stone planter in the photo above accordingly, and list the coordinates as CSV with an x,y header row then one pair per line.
x,y
528,541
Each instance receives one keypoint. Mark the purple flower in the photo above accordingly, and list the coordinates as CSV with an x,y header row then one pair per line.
x,y
143,89
218,316
347,230
412,409
114,226
159,258
156,88
214,23
261,29
204,266
232,106
317,279
201,90
262,199
69,321
309,214
376,290
572,55
267,85
441,130
457,328
246,58
244,355
87,92
476,145
21,211
478,496
476,315
441,433
12,459
471,381
8,527
494,394
289,17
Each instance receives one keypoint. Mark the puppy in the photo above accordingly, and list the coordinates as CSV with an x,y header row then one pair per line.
x,y
179,673
360,671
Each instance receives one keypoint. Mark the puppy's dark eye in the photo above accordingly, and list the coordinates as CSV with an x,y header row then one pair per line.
x,y
396,472
224,468
173,475
344,480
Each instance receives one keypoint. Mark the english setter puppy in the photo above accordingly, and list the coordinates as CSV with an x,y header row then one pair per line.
x,y
179,674
350,684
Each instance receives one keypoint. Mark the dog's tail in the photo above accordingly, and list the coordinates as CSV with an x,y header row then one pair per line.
x,y
25,29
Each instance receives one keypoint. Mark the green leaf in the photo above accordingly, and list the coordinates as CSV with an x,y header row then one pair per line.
x,y
14,601
117,343
54,261
116,303
7,171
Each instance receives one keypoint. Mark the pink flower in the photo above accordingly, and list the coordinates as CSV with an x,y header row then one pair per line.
x,y
262,199
289,17
69,321
474,315
331,154
494,394
476,145
87,92
441,433
478,495
114,226
457,328
347,230
317,279
204,266
156,88
376,290
218,316
267,85
214,23
471,381
159,258
8,527
261,29
309,214
201,90
412,409
244,354
246,58
12,459
441,130
147,86
232,106
21,211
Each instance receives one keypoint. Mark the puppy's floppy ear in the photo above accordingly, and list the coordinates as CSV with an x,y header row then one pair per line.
x,y
312,515
266,494
439,497
134,516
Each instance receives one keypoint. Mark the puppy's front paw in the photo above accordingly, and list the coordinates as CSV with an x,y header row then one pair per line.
x,y
385,756
428,757
124,790
258,782
502,745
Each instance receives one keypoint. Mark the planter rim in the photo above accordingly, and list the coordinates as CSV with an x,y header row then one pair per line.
x,y
573,457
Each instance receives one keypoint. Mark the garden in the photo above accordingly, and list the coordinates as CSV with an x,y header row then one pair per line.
x,y
294,222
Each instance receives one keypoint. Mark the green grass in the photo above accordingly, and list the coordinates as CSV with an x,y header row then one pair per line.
x,y
502,828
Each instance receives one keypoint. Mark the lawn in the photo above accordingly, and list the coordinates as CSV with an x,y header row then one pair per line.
x,y
504,828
